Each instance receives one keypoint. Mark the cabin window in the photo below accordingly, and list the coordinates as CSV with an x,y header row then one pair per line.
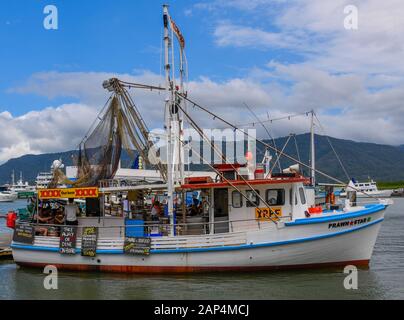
x,y
276,197
302,196
237,200
253,200
229,175
291,196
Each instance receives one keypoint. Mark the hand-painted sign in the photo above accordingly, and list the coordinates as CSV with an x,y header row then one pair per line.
x,y
268,213
137,245
91,192
68,236
24,233
89,241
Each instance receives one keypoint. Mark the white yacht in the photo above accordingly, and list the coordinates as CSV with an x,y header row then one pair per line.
x,y
7,196
367,189
21,188
44,178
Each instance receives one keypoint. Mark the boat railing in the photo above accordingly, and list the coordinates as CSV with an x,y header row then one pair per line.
x,y
152,228
121,183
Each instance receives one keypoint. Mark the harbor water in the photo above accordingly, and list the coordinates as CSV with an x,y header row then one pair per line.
x,y
383,280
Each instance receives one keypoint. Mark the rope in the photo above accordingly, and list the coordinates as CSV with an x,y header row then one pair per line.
x,y
279,155
332,147
202,134
274,119
297,148
267,131
98,118
269,146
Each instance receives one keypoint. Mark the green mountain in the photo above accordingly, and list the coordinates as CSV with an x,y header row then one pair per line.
x,y
361,160
30,165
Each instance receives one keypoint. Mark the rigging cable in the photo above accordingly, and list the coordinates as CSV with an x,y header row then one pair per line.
x,y
333,149
203,135
267,131
278,157
269,146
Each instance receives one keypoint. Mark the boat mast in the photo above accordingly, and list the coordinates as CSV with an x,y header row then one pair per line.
x,y
169,119
313,153
12,178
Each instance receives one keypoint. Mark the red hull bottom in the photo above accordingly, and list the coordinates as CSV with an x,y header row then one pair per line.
x,y
152,269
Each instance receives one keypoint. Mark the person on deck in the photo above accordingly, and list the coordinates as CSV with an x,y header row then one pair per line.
x,y
59,217
71,211
155,211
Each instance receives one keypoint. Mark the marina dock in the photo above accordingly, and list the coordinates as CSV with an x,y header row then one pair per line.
x,y
5,251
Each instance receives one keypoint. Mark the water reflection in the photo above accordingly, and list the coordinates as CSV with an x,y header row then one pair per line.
x,y
384,279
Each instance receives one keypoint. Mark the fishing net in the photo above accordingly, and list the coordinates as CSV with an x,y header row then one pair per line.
x,y
120,129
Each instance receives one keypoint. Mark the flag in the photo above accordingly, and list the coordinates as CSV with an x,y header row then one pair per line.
x,y
177,32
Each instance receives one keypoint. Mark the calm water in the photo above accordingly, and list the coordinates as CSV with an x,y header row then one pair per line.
x,y
383,280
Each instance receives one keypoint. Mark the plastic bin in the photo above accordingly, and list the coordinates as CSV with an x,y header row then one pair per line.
x,y
134,228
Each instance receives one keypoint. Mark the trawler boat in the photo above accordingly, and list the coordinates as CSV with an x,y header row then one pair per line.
x,y
241,220
367,190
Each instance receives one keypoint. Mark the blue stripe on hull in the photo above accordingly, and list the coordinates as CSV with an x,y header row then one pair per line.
x,y
369,210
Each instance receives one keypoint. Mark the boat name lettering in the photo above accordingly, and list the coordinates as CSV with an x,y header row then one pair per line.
x,y
348,223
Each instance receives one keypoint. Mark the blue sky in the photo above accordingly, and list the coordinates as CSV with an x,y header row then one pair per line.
x,y
281,57
111,36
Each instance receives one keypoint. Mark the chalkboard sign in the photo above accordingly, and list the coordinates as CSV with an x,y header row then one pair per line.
x,y
137,245
68,237
89,241
24,233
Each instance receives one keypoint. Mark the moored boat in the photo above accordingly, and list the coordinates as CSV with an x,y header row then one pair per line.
x,y
23,190
7,196
367,190
241,220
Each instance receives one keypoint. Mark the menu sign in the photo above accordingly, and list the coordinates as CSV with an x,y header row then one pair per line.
x,y
137,245
24,233
68,236
89,242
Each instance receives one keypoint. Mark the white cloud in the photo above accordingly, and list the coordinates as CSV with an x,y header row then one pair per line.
x,y
49,130
228,34
365,115
358,73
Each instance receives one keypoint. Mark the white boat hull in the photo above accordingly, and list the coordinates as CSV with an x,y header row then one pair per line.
x,y
370,194
8,197
297,245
